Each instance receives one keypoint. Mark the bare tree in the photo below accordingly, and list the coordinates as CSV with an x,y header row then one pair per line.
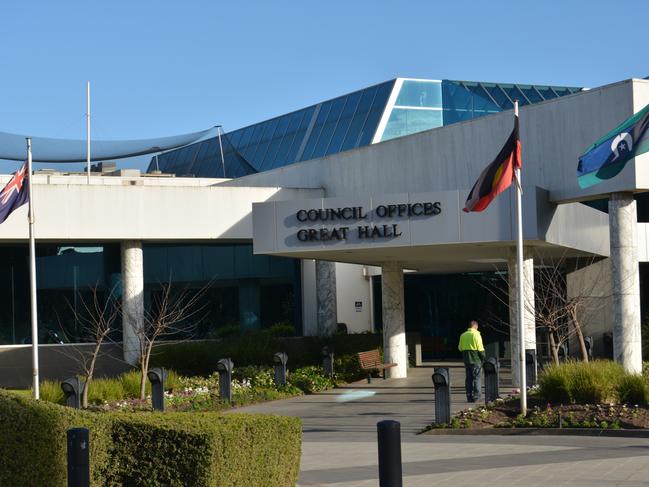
x,y
170,314
96,316
558,313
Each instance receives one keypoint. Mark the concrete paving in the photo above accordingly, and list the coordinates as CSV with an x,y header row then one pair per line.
x,y
339,445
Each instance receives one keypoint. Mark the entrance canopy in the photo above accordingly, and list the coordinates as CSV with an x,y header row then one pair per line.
x,y
427,232
13,147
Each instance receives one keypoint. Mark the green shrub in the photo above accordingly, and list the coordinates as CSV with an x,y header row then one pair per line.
x,y
33,444
257,348
310,379
283,329
207,449
632,389
581,382
147,449
51,391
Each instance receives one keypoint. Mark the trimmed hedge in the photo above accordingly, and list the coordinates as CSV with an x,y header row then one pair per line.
x,y
33,442
148,449
257,348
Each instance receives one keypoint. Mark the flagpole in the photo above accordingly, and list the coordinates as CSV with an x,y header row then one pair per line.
x,y
88,130
32,273
520,281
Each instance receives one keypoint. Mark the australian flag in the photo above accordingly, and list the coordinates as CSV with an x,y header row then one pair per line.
x,y
608,156
15,193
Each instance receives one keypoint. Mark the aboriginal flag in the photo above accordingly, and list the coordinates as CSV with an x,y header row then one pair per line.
x,y
498,175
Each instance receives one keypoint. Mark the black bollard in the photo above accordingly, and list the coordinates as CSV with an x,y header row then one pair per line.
x,y
72,390
78,457
442,383
530,367
225,367
157,377
389,439
328,361
491,369
279,360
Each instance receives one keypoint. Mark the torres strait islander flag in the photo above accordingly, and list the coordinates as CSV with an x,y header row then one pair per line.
x,y
608,156
498,175
15,193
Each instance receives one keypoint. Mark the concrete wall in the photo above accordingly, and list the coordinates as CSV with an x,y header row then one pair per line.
x,y
352,286
309,298
594,284
140,208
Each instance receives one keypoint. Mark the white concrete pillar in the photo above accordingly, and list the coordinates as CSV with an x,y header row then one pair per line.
x,y
327,305
132,298
528,311
394,323
627,348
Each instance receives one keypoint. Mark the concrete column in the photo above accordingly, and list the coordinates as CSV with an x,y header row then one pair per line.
x,y
627,348
132,298
325,281
394,324
528,310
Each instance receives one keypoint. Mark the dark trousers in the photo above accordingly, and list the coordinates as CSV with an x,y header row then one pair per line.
x,y
472,382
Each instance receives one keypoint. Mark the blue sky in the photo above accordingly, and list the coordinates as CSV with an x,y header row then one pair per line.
x,y
168,67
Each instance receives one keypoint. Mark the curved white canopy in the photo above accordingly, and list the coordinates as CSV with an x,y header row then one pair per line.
x,y
14,148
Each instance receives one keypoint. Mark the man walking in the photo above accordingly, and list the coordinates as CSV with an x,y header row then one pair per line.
x,y
473,355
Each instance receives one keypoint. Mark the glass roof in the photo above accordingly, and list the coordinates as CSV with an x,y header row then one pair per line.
x,y
347,122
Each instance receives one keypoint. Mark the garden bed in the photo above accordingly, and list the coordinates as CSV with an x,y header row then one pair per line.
x,y
504,414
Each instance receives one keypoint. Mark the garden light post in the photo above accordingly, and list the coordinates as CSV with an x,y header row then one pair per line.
x,y
442,383
72,390
279,362
225,366
78,457
328,361
157,377
491,383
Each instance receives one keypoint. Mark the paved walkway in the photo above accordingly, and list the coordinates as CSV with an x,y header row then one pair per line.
x,y
339,446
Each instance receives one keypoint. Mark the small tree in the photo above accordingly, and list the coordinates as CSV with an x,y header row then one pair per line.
x,y
556,312
97,316
170,314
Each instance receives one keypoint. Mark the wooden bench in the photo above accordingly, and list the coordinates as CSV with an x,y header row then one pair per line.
x,y
371,360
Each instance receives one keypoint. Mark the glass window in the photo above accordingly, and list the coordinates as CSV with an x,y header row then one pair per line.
x,y
291,157
328,128
273,147
499,96
355,128
267,135
233,137
405,121
515,94
317,128
245,138
343,123
417,93
546,92
530,93
282,153
374,116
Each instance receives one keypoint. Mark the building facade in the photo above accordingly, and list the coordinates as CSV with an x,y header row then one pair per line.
x,y
348,211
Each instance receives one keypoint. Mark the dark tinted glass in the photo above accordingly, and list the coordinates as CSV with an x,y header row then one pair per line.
x,y
374,116
317,128
328,128
287,140
299,135
352,138
343,123
499,96
515,94
546,92
531,94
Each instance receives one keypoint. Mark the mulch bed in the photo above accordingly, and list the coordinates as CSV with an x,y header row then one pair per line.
x,y
505,414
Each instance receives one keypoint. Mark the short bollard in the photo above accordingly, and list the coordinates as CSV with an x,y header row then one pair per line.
x,y
442,383
72,390
328,361
78,458
279,362
157,377
389,439
530,367
491,383
563,351
225,367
